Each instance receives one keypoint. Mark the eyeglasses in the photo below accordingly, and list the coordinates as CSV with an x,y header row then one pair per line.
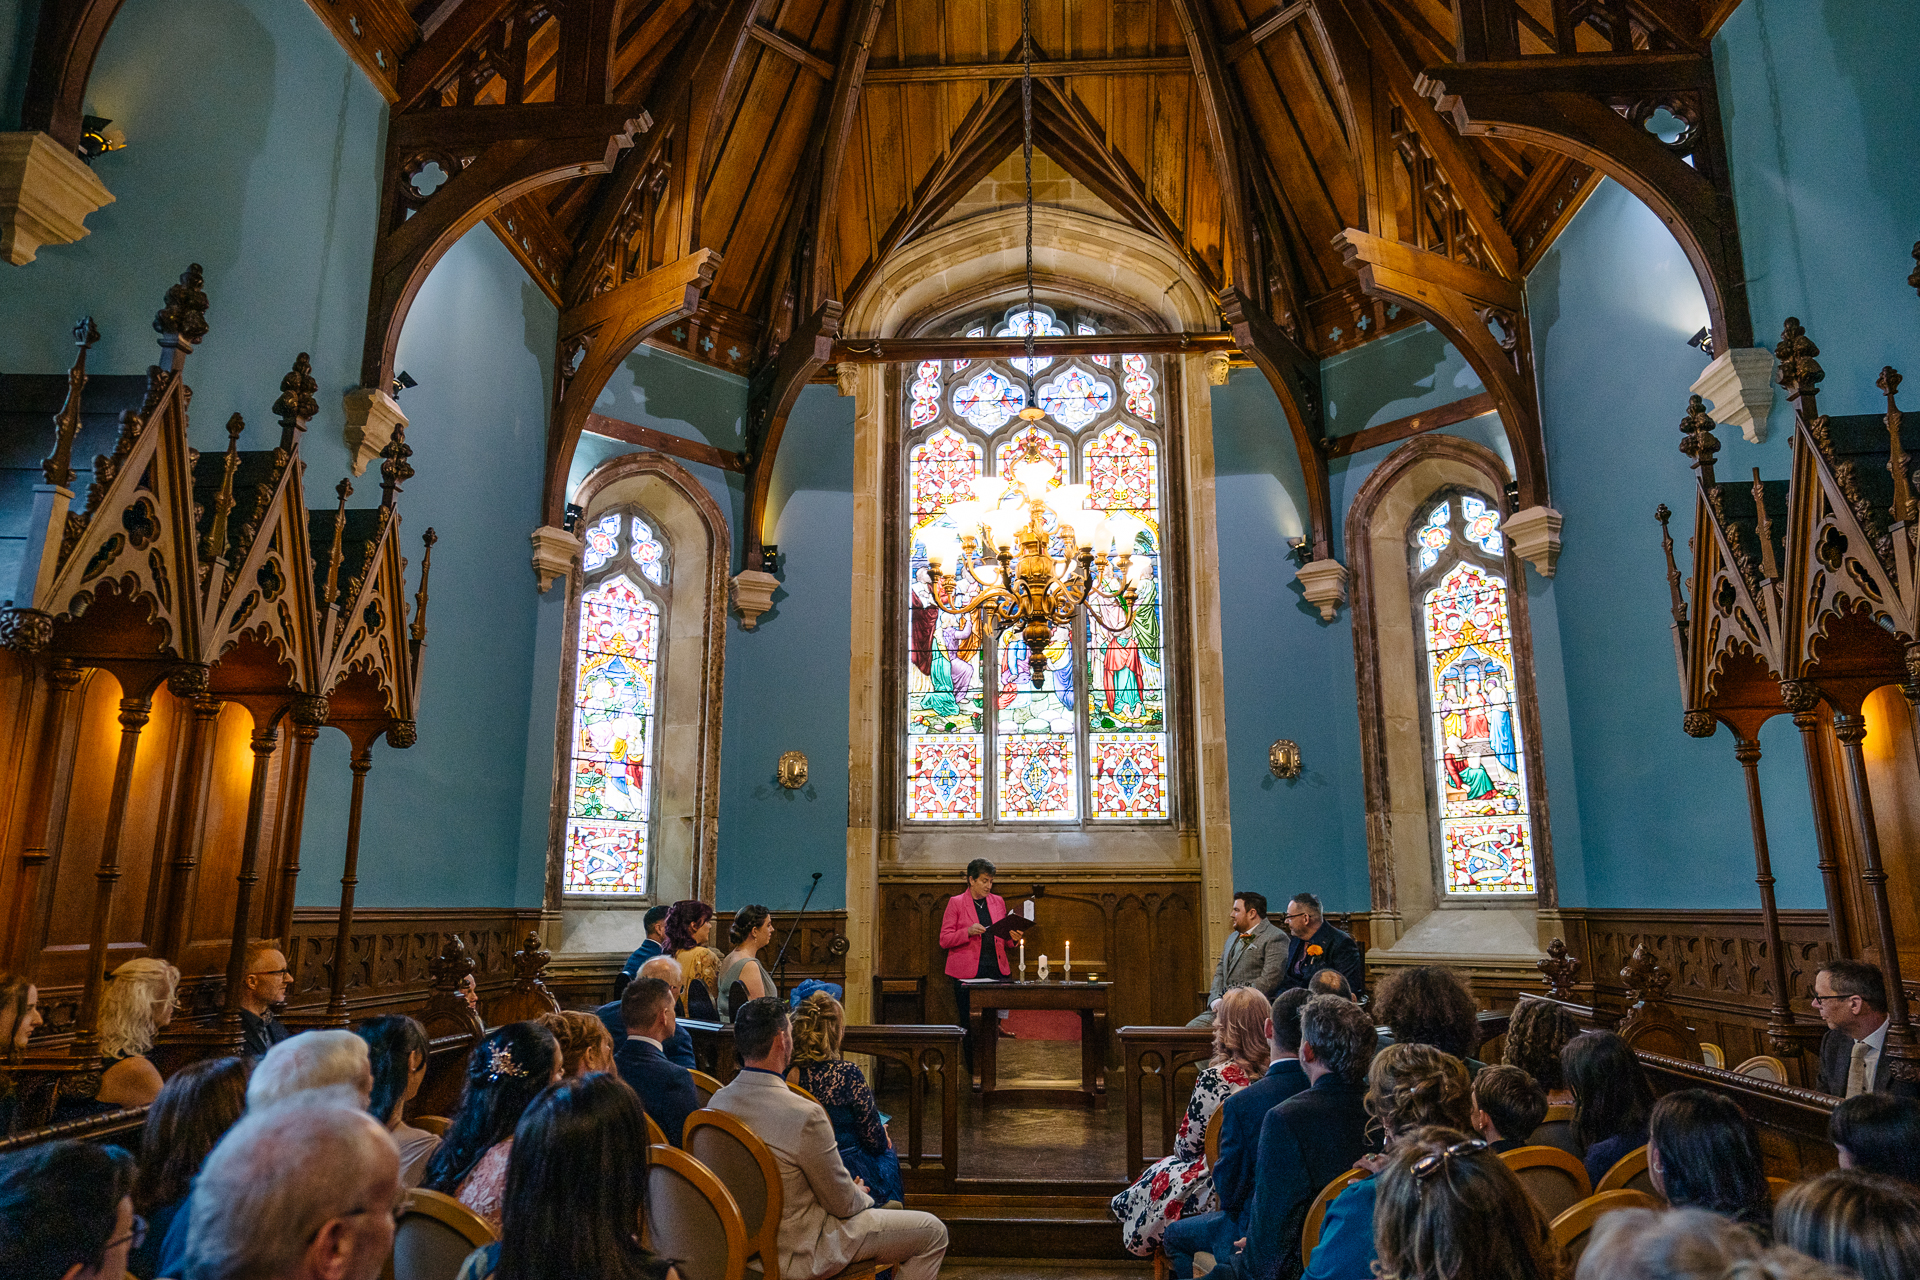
x,y
271,973
134,1238
1818,999
1428,1165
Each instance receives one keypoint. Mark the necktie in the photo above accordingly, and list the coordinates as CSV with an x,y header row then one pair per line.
x,y
1857,1082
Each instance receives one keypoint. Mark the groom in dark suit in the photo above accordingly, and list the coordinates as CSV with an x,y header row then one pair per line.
x,y
665,1088
1316,945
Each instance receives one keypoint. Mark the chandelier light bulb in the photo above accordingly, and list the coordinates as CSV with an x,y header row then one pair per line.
x,y
1006,523
1068,501
988,490
943,547
967,516
1033,474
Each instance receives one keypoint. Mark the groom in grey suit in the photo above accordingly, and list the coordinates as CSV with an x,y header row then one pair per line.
x,y
827,1219
1255,954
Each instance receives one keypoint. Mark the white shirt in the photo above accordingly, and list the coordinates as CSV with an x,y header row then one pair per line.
x,y
1874,1043
649,1039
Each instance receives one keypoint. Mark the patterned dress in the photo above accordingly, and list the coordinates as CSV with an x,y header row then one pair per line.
x,y
484,1189
1178,1185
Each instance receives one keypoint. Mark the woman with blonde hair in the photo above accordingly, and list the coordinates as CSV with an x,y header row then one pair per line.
x,y
19,1015
586,1046
139,1000
1450,1209
859,1130
1180,1184
1867,1223
1409,1087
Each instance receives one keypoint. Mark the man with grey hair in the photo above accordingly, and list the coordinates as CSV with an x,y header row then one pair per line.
x,y
305,1190
311,1060
679,1049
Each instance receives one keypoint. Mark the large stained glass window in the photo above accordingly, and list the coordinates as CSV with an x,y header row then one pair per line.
x,y
1478,768
983,745
615,700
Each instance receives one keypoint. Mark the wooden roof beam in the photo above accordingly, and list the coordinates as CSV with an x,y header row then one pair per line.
x,y
1267,27
430,61
1062,68
780,44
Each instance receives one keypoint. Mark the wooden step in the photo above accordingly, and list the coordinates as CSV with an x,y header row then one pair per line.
x,y
1029,1226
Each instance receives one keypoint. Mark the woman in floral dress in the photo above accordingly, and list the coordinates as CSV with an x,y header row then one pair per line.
x,y
1180,1185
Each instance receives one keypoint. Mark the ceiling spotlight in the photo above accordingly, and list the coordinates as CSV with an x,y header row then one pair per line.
x,y
96,138
1704,341
401,381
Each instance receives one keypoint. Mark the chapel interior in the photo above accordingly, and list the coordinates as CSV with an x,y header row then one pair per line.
x,y
475,470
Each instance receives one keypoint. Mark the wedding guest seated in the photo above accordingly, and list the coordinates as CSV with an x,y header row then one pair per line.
x,y
1703,1152
1309,1139
1536,1033
397,1046
750,933
1330,982
859,1130
506,1071
689,928
66,1213
654,925
576,1190
1254,955
665,1089
1851,997
585,1045
136,1004
1879,1133
1315,945
19,1015
1863,1222
1611,1098
1450,1209
679,1049
1242,1115
827,1219
1687,1244
264,985
312,1060
304,1190
1409,1088
1179,1185
1430,1005
194,1110
1506,1100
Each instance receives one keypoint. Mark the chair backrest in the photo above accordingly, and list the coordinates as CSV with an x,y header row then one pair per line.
x,y
803,1091
1629,1173
1777,1187
704,1085
1556,1131
744,1165
656,1136
700,1002
692,1218
434,1236
1317,1212
436,1125
1712,1054
1574,1228
1763,1066
1555,1179
1213,1135
737,995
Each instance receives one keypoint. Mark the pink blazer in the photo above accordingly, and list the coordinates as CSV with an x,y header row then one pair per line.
x,y
963,952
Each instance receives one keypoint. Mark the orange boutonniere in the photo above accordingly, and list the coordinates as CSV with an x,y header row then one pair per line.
x,y
1313,950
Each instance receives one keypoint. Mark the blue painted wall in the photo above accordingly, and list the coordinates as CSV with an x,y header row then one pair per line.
x,y
253,149
455,820
693,401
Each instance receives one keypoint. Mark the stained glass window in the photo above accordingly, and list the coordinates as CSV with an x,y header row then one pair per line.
x,y
1478,765
1138,384
1085,330
1091,743
616,668
925,393
978,331
1041,324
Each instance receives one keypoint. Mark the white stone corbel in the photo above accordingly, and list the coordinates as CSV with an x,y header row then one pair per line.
x,y
46,193
1535,534
753,595
1324,583
847,375
371,417
555,552
1217,368
1739,386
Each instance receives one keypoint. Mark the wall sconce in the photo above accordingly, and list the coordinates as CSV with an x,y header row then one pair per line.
x,y
401,381
793,770
1704,341
96,139
1298,552
1283,759
572,518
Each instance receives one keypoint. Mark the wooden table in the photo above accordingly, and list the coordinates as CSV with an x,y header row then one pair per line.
x,y
1088,999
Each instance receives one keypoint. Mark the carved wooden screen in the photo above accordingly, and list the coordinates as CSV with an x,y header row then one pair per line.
x,y
982,746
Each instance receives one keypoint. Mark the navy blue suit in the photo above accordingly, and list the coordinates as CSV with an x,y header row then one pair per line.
x,y
679,1049
1233,1172
641,954
1305,1143
1337,951
666,1090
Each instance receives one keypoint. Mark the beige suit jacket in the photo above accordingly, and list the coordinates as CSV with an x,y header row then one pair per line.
x,y
819,1195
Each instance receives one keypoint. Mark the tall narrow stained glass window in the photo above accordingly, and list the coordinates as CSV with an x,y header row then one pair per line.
x,y
1478,765
982,745
615,703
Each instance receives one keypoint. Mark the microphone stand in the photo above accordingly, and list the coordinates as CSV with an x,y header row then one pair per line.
x,y
780,961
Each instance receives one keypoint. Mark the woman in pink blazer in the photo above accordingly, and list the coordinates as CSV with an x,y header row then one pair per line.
x,y
968,915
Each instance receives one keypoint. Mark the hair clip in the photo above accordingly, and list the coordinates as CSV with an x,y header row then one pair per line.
x,y
1428,1165
500,1065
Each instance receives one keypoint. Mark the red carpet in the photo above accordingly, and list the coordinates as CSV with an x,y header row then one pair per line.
x,y
1044,1024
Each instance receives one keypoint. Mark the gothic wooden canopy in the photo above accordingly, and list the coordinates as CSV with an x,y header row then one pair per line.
x,y
725,177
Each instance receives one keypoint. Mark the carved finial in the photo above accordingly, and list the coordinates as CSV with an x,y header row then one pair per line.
x,y
1769,566
394,470
1560,969
1663,515
1646,981
296,405
182,321
338,551
417,634
530,959
1699,724
1697,440
214,545
1903,503
446,971
1800,373
58,468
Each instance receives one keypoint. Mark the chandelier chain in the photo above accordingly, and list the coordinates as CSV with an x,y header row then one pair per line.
x,y
1026,148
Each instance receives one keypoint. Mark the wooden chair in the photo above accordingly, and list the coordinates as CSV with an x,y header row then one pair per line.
x,y
1777,1187
1572,1229
1713,1055
436,1125
692,1218
1763,1066
1214,1122
1629,1173
1556,1180
434,1236
737,995
656,1136
722,1143
1317,1212
704,1085
700,1003
803,1091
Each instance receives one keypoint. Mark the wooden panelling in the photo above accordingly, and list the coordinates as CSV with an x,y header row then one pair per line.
x,y
584,981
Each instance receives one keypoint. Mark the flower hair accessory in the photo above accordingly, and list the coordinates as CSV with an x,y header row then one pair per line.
x,y
501,1066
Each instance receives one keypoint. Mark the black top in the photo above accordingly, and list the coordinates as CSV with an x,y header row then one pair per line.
x,y
989,949
262,1033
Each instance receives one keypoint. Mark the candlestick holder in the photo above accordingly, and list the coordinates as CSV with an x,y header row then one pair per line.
x,y
1043,966
1066,972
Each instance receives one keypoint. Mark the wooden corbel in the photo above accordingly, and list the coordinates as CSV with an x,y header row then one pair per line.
x,y
801,356
1295,376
